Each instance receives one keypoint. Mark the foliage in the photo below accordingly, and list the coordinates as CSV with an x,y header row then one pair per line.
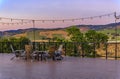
x,y
75,34
59,38
95,39
93,36
88,41
17,43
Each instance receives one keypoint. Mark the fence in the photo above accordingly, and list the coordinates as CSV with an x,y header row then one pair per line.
x,y
104,50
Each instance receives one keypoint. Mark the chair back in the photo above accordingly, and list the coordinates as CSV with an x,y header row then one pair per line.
x,y
17,53
60,48
52,50
12,48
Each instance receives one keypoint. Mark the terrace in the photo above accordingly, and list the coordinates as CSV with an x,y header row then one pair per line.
x,y
68,68
88,55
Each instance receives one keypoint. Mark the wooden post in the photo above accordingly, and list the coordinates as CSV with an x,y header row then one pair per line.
x,y
106,46
28,49
83,53
94,50
65,48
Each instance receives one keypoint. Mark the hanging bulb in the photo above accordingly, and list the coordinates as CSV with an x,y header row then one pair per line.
x,y
108,15
82,19
12,23
25,22
11,20
21,23
73,20
53,21
17,23
63,21
43,21
91,18
7,23
100,16
22,20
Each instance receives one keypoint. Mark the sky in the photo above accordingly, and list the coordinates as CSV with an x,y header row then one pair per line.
x,y
57,9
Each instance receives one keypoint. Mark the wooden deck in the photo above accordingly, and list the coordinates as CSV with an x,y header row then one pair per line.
x,y
69,68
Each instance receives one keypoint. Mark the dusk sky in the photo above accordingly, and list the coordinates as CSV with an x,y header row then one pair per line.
x,y
57,9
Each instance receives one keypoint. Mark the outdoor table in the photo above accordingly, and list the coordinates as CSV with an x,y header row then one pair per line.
x,y
39,53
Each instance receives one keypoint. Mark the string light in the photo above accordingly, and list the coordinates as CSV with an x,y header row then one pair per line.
x,y
62,20
3,23
22,20
12,23
91,17
7,23
100,16
11,20
53,21
82,19
43,21
72,20
108,15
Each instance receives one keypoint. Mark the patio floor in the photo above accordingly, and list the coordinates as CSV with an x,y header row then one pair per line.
x,y
69,68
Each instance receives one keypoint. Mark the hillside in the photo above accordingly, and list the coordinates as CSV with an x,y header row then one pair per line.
x,y
41,33
100,27
54,33
83,27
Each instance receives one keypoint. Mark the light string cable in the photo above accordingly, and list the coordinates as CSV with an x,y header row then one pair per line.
x,y
13,23
24,21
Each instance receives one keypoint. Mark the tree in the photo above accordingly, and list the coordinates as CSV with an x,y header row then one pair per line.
x,y
95,37
76,37
75,34
18,43
94,40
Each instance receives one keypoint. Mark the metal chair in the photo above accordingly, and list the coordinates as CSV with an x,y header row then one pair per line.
x,y
18,53
58,53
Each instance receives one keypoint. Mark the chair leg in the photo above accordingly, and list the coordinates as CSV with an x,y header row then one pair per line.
x,y
53,58
12,58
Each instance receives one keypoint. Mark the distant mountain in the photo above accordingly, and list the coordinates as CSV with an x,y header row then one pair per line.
x,y
100,27
19,31
82,27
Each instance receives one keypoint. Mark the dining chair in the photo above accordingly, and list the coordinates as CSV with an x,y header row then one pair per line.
x,y
17,53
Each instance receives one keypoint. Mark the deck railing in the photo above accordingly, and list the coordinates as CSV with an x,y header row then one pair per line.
x,y
105,50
